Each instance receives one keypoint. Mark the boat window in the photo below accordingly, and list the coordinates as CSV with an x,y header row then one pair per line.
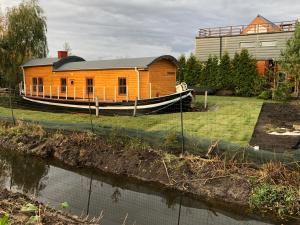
x,y
171,73
89,85
41,84
122,86
63,85
34,84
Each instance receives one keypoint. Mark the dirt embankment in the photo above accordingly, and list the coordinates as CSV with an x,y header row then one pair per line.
x,y
229,182
131,157
20,209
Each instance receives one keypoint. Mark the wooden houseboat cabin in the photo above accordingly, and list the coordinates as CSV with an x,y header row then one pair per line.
x,y
68,79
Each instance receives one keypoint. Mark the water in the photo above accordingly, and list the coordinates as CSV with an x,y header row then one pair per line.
x,y
117,198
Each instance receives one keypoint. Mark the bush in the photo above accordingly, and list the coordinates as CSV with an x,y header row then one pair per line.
x,y
284,201
265,95
283,92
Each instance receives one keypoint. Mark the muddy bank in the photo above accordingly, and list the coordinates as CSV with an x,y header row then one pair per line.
x,y
20,209
226,182
132,158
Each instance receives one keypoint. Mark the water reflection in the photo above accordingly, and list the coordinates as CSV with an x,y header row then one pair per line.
x,y
88,192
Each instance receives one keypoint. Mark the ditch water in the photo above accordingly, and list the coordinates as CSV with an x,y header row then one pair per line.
x,y
89,192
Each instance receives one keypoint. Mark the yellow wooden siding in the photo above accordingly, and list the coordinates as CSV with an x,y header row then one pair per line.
x,y
162,83
105,82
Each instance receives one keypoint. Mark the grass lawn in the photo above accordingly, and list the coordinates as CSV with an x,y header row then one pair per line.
x,y
229,118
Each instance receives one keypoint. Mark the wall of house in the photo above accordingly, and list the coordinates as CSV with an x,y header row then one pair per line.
x,y
105,82
162,78
261,66
259,25
261,46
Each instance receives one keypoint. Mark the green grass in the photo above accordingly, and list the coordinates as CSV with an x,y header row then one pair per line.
x,y
230,118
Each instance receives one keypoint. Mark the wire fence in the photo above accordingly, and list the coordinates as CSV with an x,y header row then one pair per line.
x,y
226,122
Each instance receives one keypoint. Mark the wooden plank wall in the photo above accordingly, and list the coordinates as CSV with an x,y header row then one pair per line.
x,y
105,82
231,44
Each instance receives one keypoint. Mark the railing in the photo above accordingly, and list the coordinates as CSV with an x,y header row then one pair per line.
x,y
247,29
109,93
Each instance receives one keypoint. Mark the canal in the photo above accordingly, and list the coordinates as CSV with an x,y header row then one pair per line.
x,y
117,199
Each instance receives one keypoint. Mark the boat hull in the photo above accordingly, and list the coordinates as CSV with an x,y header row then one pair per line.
x,y
164,104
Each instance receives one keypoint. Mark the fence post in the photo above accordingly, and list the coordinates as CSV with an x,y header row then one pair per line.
x,y
205,100
135,106
50,92
97,106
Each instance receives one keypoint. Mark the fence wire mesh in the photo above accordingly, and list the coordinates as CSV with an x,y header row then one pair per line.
x,y
227,120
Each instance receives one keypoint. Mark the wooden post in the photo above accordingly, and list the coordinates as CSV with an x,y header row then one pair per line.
x,y
104,97
97,106
150,90
37,90
205,100
135,106
74,92
43,91
66,92
57,92
25,89
30,90
115,94
127,95
93,93
50,92
83,94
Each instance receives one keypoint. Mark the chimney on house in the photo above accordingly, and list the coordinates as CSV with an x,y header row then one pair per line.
x,y
62,54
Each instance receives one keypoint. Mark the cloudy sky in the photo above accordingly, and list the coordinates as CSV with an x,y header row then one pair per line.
x,y
102,29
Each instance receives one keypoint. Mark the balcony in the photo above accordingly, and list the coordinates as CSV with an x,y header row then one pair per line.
x,y
285,26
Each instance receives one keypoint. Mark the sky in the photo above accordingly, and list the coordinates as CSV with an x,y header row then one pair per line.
x,y
106,29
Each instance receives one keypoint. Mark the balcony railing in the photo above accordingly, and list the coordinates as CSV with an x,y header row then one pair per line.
x,y
247,29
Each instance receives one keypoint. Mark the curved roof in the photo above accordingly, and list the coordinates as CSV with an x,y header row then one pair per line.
x,y
115,63
78,63
67,60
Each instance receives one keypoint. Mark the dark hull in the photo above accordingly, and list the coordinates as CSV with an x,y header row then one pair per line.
x,y
165,104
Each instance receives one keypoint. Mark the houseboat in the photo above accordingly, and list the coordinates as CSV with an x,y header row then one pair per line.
x,y
119,86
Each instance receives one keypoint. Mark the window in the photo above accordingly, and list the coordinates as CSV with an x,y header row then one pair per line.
x,y
63,85
41,84
247,44
171,73
34,84
122,86
268,43
89,85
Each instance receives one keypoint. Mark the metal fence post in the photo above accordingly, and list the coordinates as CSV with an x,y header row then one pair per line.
x,y
97,106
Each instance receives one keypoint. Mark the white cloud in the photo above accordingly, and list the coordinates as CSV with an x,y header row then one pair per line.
x,y
131,28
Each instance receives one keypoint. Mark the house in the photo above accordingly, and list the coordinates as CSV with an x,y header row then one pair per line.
x,y
71,77
262,38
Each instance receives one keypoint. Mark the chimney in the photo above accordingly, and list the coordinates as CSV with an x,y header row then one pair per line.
x,y
62,54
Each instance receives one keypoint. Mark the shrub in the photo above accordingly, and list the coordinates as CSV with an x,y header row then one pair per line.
x,y
283,92
265,95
